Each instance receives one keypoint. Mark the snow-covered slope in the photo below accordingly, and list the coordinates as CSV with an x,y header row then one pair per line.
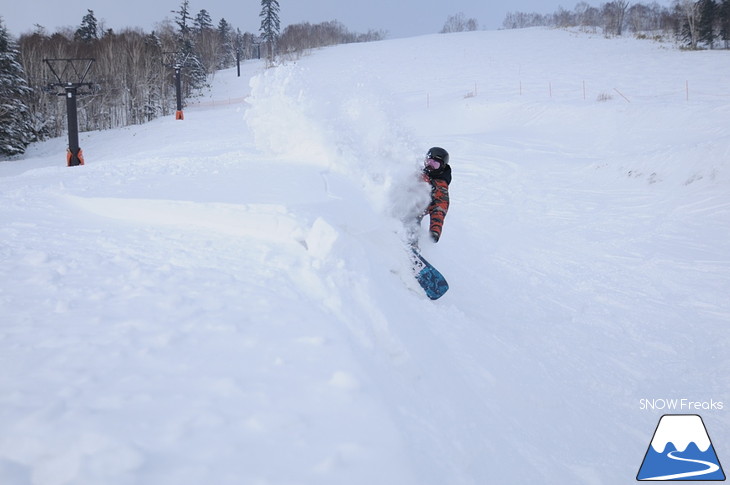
x,y
226,299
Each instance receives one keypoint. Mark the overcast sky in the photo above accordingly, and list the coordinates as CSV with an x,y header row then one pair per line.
x,y
400,18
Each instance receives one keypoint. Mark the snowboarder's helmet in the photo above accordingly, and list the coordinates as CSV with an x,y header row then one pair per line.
x,y
438,153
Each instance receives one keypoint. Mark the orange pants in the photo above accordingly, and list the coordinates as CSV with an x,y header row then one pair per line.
x,y
439,206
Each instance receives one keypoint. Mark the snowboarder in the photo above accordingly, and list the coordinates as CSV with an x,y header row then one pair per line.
x,y
437,172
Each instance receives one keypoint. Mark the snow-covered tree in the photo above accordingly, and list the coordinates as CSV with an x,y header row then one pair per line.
x,y
708,20
208,44
183,18
459,23
195,73
270,24
227,52
690,11
614,14
203,21
89,29
725,22
15,129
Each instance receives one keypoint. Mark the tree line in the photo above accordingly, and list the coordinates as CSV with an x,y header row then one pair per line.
x,y
133,72
694,23
299,38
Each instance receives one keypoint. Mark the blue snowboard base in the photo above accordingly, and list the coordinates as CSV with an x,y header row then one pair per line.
x,y
430,279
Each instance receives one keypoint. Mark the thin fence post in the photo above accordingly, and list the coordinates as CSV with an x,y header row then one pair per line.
x,y
622,95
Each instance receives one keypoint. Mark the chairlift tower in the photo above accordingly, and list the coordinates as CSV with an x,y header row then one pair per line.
x,y
70,77
176,61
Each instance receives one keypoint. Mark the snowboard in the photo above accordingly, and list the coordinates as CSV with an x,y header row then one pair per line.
x,y
430,279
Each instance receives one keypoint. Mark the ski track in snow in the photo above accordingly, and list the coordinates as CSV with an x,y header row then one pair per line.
x,y
227,299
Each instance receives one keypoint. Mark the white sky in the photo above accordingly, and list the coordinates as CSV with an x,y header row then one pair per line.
x,y
401,18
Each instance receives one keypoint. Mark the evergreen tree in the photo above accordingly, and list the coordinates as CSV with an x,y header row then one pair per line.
x,y
224,29
270,25
225,37
707,22
203,21
725,22
183,19
194,72
15,128
89,29
207,42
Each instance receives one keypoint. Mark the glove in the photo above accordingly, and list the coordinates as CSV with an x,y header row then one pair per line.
x,y
435,236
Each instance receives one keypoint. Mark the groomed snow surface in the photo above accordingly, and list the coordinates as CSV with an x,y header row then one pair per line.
x,y
227,299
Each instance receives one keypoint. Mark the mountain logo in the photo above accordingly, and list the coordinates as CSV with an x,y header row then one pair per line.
x,y
680,450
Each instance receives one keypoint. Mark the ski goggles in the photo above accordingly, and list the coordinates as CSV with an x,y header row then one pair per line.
x,y
433,163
